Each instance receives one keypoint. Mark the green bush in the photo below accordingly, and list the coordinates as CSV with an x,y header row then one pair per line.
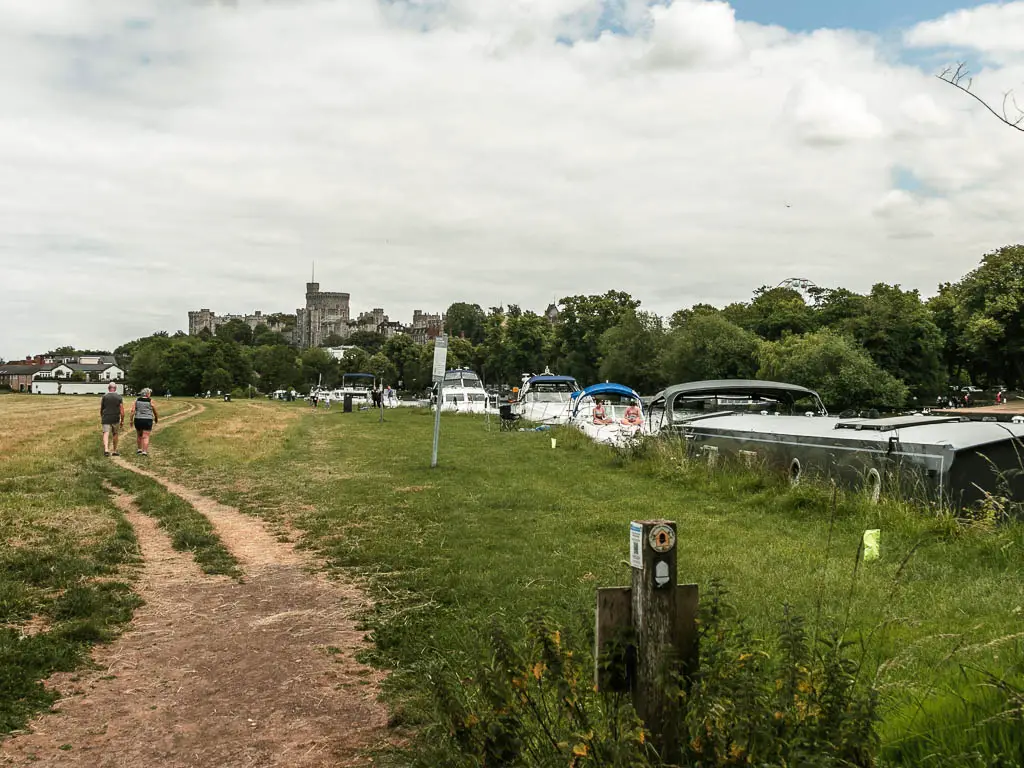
x,y
788,701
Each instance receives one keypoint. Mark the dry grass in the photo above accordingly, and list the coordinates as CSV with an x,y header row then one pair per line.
x,y
48,424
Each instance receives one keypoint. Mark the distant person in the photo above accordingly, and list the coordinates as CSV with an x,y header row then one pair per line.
x,y
144,417
112,419
600,417
633,417
327,401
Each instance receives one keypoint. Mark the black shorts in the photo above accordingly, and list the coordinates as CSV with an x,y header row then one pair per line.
x,y
143,425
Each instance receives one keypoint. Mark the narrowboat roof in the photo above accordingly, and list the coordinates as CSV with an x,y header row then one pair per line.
x,y
956,435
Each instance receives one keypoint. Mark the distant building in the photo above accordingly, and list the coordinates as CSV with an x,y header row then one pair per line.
x,y
551,313
326,313
203,319
426,327
36,376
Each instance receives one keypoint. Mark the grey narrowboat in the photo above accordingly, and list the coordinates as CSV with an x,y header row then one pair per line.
x,y
938,459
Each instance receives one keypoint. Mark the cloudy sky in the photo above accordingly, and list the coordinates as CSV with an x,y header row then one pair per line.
x,y
157,157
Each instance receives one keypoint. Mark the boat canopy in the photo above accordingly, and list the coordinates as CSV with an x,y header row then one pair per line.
x,y
752,388
607,388
358,376
550,380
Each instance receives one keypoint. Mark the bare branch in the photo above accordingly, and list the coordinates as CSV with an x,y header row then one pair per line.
x,y
957,78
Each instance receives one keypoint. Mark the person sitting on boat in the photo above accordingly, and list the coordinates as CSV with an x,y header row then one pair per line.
x,y
633,417
600,417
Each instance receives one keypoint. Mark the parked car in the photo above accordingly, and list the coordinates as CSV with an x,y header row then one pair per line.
x,y
972,389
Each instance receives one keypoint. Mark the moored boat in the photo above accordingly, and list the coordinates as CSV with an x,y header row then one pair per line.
x,y
462,391
608,413
545,398
939,459
357,385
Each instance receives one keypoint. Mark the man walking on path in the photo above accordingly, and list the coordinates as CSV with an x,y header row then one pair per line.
x,y
112,419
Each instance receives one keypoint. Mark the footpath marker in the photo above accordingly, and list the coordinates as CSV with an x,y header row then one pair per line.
x,y
647,630
440,363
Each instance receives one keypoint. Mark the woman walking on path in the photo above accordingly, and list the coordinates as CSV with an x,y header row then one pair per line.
x,y
144,416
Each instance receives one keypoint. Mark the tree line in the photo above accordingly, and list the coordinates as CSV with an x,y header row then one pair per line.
x,y
885,348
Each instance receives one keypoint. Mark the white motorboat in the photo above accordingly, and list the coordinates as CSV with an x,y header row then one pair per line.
x,y
609,413
545,399
359,385
462,391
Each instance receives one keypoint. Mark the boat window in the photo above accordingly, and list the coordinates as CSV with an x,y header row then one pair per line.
x,y
453,398
477,398
550,392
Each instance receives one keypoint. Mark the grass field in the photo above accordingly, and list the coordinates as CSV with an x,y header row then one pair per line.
x,y
506,525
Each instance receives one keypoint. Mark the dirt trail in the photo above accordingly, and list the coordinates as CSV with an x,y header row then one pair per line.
x,y
212,672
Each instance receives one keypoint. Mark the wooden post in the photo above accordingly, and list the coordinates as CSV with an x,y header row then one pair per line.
x,y
647,632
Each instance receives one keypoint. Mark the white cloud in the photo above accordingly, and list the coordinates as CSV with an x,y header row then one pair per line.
x,y
824,114
693,32
156,157
994,29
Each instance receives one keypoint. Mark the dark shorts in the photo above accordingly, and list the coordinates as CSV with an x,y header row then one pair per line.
x,y
143,425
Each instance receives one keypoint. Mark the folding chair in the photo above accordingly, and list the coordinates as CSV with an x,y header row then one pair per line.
x,y
508,419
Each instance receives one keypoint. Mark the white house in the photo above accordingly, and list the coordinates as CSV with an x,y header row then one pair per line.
x,y
63,387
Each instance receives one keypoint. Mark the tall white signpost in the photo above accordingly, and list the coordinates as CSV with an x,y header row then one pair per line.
x,y
440,363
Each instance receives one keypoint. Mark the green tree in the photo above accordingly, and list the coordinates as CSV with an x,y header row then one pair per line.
x,y
332,340
181,369
631,352
217,380
777,311
404,355
262,336
235,330
681,316
898,331
707,346
466,320
369,341
492,352
987,308
317,366
461,353
277,366
582,322
835,366
528,340
381,367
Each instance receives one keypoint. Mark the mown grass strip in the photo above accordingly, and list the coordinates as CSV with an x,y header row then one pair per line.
x,y
188,529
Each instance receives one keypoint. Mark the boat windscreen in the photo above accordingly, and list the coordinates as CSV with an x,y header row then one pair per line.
x,y
550,392
685,406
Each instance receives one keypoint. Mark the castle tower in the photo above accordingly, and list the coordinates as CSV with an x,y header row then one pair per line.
x,y
324,311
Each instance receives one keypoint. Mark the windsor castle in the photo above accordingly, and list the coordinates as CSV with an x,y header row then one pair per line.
x,y
326,314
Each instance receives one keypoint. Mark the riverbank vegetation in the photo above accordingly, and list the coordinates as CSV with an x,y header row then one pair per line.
x,y
886,348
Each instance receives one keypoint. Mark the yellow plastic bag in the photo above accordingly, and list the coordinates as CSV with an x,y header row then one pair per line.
x,y
871,545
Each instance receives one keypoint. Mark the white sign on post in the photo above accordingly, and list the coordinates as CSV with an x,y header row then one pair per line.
x,y
636,545
440,357
440,361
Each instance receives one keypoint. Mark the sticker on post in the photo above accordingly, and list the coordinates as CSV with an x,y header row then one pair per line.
x,y
636,545
661,538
